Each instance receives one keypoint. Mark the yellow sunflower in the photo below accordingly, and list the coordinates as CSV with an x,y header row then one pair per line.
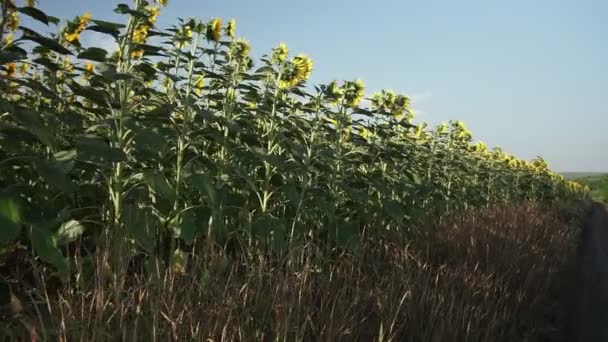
x,y
214,30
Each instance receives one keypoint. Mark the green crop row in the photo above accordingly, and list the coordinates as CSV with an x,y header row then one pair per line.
x,y
179,135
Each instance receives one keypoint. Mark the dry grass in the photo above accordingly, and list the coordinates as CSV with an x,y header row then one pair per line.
x,y
486,275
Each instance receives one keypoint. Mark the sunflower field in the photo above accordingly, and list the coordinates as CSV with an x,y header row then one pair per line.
x,y
178,138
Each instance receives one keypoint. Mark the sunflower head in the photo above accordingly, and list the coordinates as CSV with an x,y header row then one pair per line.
x,y
11,69
240,49
297,71
12,21
162,2
279,54
153,13
231,29
214,30
138,53
353,93
71,34
333,92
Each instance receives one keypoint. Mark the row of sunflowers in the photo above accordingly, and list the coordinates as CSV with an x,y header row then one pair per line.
x,y
179,136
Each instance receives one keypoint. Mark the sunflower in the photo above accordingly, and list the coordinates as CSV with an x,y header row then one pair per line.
x,y
138,53
279,54
184,36
354,93
11,69
13,21
162,2
401,105
140,33
214,30
241,49
334,93
153,13
73,30
231,29
296,72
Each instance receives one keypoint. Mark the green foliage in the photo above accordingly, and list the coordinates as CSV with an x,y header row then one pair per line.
x,y
178,136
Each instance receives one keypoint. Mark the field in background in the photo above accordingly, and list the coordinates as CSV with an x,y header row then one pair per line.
x,y
597,182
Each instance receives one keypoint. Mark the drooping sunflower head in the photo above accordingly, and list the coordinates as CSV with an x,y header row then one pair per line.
x,y
183,36
297,71
353,93
231,29
384,100
214,30
401,106
240,49
334,93
279,54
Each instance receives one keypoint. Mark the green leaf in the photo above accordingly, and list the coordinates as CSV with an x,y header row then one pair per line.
x,y
68,231
186,227
96,150
52,44
54,175
34,13
106,27
94,54
159,185
10,221
33,122
347,235
203,183
44,246
125,9
136,222
394,209
11,56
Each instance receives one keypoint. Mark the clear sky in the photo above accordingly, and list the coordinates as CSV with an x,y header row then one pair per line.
x,y
530,76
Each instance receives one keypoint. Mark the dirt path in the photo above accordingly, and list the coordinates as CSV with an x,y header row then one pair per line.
x,y
589,316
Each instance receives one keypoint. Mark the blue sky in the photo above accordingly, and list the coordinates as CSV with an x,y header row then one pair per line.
x,y
530,76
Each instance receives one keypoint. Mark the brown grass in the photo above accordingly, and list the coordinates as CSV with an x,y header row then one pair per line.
x,y
484,275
